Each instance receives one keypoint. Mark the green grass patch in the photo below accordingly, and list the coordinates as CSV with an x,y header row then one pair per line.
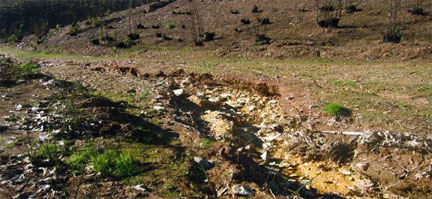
x,y
11,118
207,143
115,164
79,159
110,163
46,154
335,109
170,25
343,83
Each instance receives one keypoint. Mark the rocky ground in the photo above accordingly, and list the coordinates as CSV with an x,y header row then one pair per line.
x,y
184,135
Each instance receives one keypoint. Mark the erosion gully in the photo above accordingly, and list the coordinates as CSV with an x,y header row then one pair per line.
x,y
260,151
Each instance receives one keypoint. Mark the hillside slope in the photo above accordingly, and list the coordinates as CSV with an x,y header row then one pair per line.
x,y
291,26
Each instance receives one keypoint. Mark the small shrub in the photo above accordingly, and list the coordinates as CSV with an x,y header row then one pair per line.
x,y
327,8
166,38
41,39
235,12
255,9
417,11
133,36
181,12
125,44
209,36
95,41
47,154
140,26
264,21
331,22
170,25
199,43
393,35
108,38
262,39
11,118
74,30
245,21
12,39
352,8
335,109
27,69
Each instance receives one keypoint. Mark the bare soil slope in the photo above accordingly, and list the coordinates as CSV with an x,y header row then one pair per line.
x,y
291,26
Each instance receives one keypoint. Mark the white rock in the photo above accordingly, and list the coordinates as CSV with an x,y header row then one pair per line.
x,y
158,108
251,108
139,187
240,190
214,100
345,172
178,92
264,156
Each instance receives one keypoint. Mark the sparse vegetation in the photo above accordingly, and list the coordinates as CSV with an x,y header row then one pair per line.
x,y
393,35
46,154
13,38
181,12
206,143
170,25
245,21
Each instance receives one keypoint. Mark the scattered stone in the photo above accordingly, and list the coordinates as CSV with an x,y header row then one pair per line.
x,y
206,165
345,172
251,108
272,136
139,187
265,156
240,190
178,92
159,108
214,100
363,165
185,82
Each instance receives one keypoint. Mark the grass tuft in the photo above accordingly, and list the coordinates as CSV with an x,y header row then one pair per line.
x,y
335,109
115,164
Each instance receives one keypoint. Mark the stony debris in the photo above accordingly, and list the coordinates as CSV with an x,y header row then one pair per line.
x,y
240,190
363,165
205,164
219,125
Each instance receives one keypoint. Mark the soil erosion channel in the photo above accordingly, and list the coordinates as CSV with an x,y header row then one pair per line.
x,y
256,149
